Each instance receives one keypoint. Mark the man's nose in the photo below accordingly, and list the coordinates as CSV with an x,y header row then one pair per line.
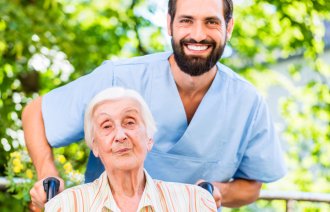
x,y
120,135
198,32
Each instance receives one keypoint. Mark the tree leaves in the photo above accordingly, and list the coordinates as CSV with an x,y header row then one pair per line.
x,y
45,44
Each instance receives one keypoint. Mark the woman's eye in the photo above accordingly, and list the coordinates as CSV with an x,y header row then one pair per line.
x,y
106,125
129,122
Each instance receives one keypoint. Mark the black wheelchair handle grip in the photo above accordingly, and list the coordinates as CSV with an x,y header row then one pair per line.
x,y
51,186
207,186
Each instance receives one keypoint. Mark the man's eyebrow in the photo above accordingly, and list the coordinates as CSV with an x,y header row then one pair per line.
x,y
213,18
186,16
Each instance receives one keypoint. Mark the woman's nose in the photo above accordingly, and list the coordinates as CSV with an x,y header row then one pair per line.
x,y
120,135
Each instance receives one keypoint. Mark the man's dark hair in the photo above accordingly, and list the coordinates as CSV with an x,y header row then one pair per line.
x,y
227,9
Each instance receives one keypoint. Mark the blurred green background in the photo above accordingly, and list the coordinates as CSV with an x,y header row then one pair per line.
x,y
281,46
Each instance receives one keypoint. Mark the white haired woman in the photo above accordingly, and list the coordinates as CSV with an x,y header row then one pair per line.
x,y
119,129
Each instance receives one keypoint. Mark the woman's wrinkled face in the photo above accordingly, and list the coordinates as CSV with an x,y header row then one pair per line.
x,y
120,136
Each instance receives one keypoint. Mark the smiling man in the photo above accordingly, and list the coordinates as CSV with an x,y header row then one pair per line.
x,y
198,41
212,124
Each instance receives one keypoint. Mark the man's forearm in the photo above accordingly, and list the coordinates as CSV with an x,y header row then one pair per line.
x,y
35,139
238,192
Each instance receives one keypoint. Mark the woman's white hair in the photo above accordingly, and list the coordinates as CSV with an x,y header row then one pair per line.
x,y
117,93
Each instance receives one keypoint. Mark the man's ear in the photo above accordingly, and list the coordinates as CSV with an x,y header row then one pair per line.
x,y
150,144
169,27
95,149
230,27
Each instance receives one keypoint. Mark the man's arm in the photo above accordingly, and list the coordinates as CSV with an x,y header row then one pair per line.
x,y
39,149
238,192
35,140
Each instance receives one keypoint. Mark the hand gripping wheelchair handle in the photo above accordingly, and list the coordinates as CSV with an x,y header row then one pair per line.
x,y
51,186
207,186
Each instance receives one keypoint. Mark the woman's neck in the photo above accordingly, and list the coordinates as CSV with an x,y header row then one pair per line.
x,y
127,188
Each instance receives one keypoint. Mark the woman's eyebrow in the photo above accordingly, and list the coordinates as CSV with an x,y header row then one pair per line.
x,y
131,111
125,112
102,117
102,114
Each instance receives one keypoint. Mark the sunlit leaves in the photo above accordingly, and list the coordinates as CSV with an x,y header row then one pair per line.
x,y
42,42
80,35
307,115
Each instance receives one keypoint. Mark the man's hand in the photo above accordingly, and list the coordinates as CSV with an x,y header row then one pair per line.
x,y
216,193
235,193
38,194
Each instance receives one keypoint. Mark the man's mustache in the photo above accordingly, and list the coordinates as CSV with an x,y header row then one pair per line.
x,y
204,42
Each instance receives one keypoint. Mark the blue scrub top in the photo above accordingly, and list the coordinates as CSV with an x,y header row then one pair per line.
x,y
231,134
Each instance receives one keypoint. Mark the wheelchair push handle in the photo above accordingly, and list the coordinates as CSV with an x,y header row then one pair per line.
x,y
51,186
207,186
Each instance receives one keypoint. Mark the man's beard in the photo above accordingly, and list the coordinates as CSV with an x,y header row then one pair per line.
x,y
196,65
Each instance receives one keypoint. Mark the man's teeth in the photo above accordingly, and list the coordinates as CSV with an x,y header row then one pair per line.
x,y
197,48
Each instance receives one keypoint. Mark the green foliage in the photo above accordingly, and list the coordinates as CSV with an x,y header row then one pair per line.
x,y
268,32
47,43
9,204
307,113
19,166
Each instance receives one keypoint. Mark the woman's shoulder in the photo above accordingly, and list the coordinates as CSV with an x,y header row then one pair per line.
x,y
186,195
72,197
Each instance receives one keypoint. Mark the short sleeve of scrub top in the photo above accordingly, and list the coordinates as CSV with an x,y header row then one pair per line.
x,y
63,108
263,157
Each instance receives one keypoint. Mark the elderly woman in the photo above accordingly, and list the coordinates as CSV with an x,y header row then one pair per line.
x,y
119,129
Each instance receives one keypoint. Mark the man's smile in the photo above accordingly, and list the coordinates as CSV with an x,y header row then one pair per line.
x,y
191,46
195,47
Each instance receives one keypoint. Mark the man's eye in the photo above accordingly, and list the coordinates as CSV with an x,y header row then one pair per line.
x,y
212,22
185,21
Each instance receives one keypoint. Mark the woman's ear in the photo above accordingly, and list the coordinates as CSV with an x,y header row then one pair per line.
x,y
95,148
150,144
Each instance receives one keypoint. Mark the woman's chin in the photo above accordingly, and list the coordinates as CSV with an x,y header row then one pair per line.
x,y
126,165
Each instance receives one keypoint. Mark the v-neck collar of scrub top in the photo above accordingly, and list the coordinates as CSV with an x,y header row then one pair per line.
x,y
164,86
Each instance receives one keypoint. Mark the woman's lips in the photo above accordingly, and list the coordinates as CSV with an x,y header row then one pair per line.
x,y
122,151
